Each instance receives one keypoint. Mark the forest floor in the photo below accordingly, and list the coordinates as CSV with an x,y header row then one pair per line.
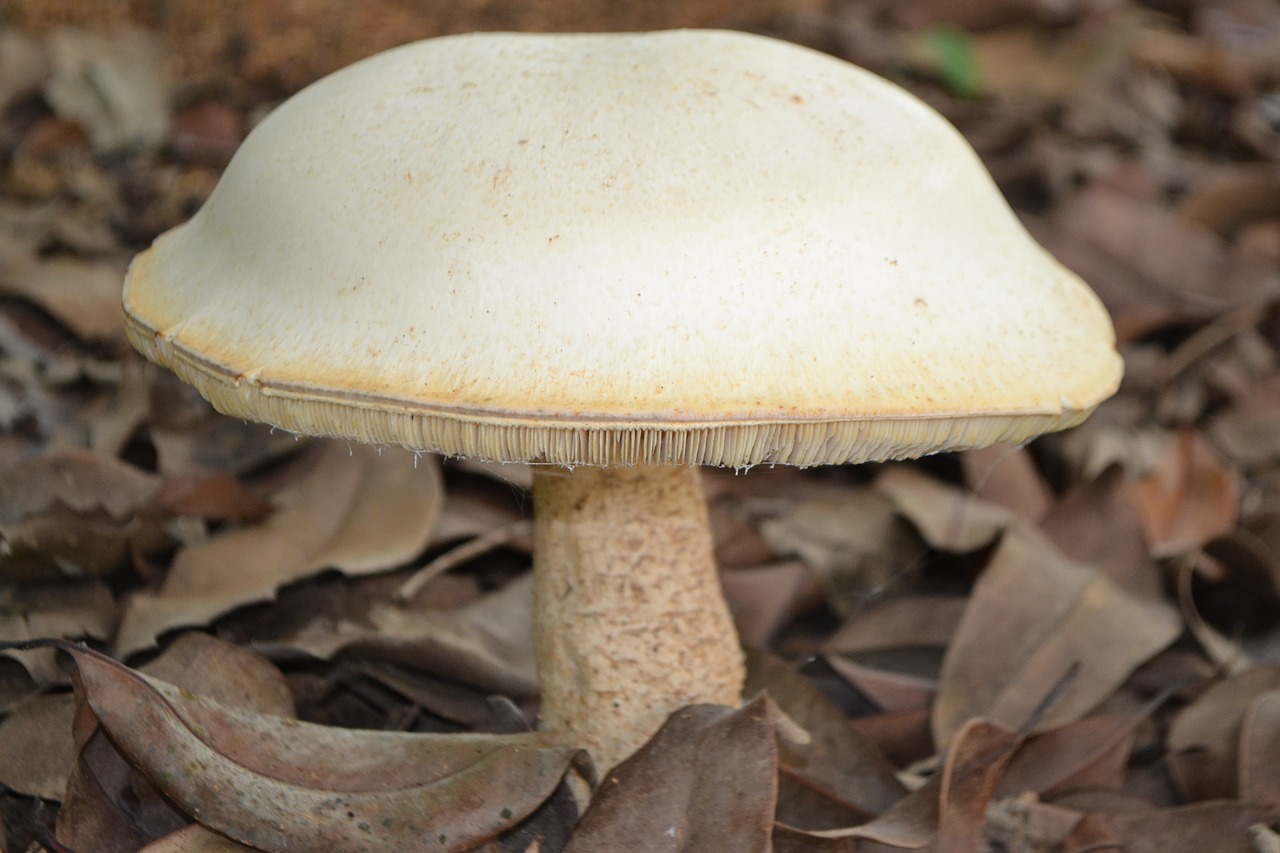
x,y
1071,646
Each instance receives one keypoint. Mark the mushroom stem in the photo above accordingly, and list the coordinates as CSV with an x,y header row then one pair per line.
x,y
630,622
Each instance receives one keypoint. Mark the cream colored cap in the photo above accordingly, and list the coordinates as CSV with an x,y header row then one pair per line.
x,y
684,247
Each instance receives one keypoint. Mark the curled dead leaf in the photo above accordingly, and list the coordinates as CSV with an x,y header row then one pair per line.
x,y
280,785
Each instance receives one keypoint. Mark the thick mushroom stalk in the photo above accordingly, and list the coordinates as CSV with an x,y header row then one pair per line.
x,y
630,620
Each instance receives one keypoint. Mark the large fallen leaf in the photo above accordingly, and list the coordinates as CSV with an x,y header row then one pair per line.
x,y
1034,618
706,781
281,785
109,805
355,509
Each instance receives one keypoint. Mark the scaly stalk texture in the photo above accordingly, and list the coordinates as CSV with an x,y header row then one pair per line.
x,y
630,620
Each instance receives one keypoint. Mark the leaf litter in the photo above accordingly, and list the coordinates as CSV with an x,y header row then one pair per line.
x,y
908,621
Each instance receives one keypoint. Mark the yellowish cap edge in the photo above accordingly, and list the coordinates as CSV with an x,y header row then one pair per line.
x,y
737,444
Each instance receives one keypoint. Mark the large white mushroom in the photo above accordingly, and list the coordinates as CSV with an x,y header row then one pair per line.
x,y
620,257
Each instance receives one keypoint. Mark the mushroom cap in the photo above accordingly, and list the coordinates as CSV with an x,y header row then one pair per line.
x,y
690,247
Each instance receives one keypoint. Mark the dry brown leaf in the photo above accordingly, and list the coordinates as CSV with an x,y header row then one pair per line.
x,y
1034,618
974,764
23,66
1189,498
469,707
108,804
1207,62
765,599
706,781
35,739
355,509
68,609
947,813
1205,738
207,131
218,497
1096,445
83,295
196,839
487,644
1096,523
735,530
1090,753
903,737
281,785
1019,824
853,541
1238,582
112,85
192,440
1006,475
1259,746
1149,266
1045,65
1233,195
474,506
1248,429
913,621
1222,827
947,517
72,514
888,690
837,764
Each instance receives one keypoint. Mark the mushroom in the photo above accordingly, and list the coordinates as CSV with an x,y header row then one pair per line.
x,y
620,257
